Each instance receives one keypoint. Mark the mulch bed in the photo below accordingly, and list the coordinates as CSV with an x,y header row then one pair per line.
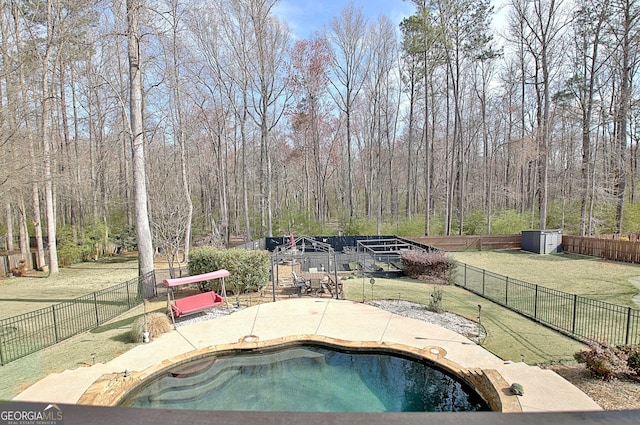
x,y
621,394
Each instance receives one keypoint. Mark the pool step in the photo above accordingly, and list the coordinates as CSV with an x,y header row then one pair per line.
x,y
186,383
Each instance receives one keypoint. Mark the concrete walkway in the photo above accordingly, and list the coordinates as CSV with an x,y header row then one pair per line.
x,y
545,391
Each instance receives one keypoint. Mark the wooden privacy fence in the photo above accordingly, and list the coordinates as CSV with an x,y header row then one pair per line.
x,y
615,250
10,261
633,237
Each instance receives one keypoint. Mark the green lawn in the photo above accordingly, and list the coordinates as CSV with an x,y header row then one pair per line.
x,y
576,274
510,336
25,294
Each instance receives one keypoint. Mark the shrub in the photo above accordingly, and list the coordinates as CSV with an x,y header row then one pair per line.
x,y
604,362
70,252
475,223
508,222
433,265
358,227
156,324
248,269
435,302
633,360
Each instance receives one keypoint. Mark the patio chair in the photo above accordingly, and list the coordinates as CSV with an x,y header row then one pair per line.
x,y
298,282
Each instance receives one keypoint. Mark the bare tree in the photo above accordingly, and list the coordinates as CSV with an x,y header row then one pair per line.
x,y
310,60
542,23
28,125
170,218
626,31
143,230
175,17
349,39
47,143
588,27
270,69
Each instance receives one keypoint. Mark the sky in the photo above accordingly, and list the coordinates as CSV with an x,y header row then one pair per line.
x,y
305,17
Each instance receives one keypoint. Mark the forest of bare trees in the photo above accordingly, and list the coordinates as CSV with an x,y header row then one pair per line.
x,y
160,123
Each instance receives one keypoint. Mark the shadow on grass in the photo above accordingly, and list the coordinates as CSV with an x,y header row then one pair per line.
x,y
561,256
36,300
123,338
115,325
132,262
117,260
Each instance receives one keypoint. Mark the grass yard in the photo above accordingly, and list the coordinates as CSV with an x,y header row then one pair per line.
x,y
576,274
101,344
510,336
24,294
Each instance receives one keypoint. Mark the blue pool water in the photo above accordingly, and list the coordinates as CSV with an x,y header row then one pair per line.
x,y
308,378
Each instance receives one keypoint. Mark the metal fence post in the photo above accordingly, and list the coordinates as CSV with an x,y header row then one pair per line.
x,y
626,338
128,297
575,313
483,279
55,322
535,304
3,360
95,303
506,291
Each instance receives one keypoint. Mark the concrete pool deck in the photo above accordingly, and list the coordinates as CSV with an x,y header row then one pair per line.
x,y
545,391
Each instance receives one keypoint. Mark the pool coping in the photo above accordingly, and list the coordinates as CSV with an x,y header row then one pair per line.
x,y
112,388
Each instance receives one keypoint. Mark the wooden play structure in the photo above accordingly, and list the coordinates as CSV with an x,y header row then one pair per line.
x,y
194,303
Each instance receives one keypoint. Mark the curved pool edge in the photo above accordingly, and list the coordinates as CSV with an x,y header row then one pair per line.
x,y
112,388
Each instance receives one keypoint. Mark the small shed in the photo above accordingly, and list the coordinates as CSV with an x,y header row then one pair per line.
x,y
542,241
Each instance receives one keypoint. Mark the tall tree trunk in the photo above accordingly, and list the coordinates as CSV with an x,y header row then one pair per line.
x,y
48,177
181,134
143,230
76,201
35,172
25,251
35,205
245,188
48,147
9,227
408,206
589,67
428,144
622,113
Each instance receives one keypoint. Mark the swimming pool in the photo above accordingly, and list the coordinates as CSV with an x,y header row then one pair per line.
x,y
307,377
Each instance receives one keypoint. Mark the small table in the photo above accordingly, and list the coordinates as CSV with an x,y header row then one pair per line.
x,y
316,276
315,280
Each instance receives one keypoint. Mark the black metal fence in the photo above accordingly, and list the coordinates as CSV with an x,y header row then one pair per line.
x,y
581,318
30,332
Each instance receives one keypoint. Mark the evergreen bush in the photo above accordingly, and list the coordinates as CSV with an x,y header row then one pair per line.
x,y
249,270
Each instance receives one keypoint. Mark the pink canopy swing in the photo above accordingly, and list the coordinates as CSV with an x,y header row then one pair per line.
x,y
194,303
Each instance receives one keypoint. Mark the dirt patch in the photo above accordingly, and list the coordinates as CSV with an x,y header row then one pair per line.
x,y
610,395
